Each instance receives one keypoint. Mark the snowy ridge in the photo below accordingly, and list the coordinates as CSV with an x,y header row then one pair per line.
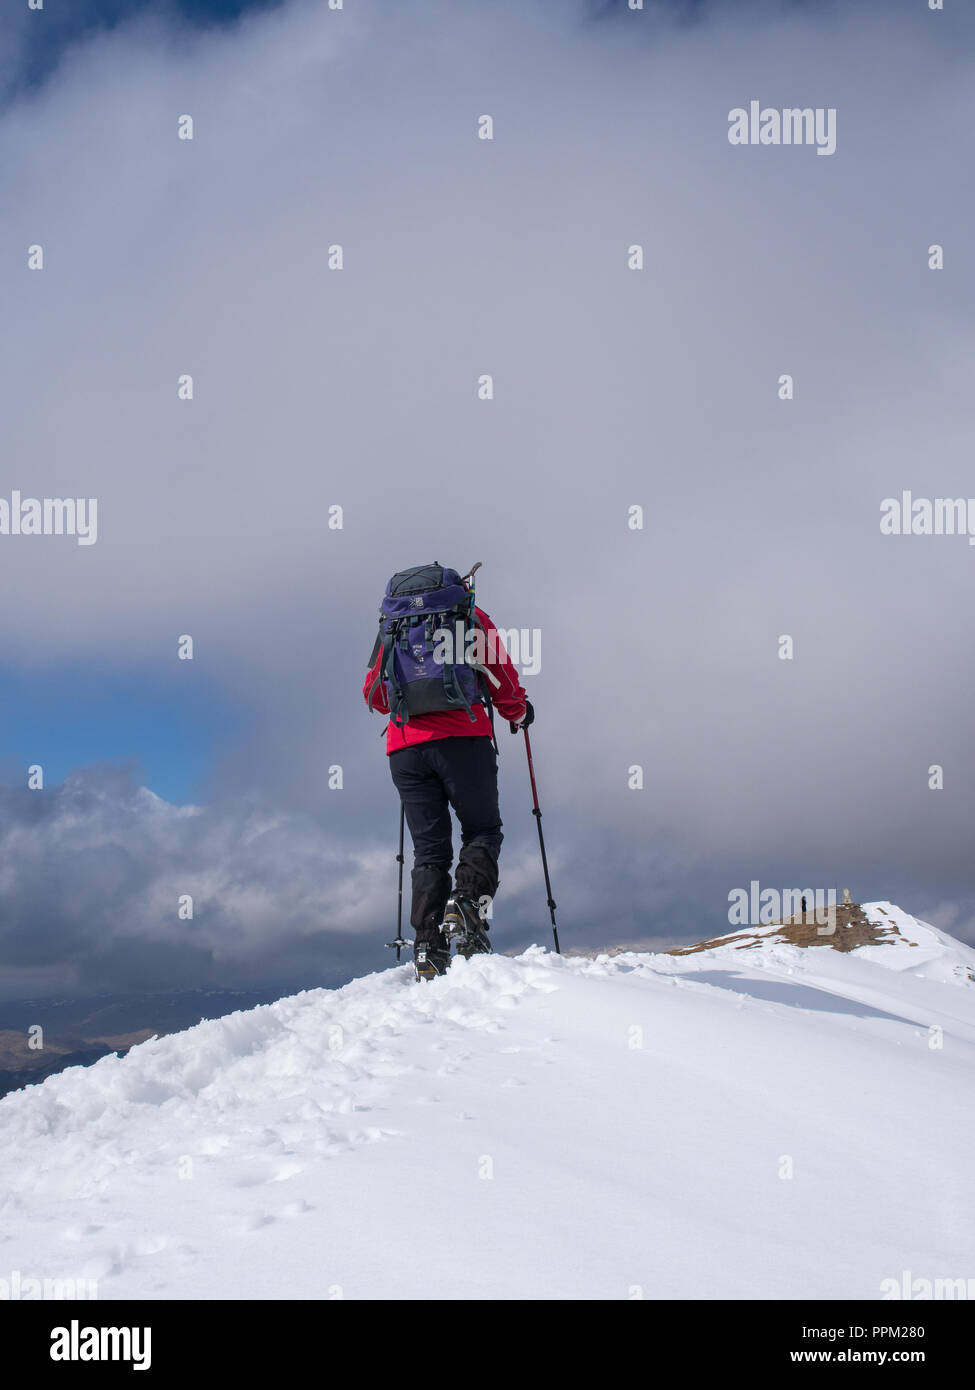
x,y
527,1127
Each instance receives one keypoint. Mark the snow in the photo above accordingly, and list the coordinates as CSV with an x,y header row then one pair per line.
x,y
525,1128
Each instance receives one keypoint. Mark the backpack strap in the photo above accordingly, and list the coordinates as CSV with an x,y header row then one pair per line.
x,y
455,691
377,646
398,710
386,640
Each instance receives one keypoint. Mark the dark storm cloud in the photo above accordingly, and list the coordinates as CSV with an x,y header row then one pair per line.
x,y
99,875
33,41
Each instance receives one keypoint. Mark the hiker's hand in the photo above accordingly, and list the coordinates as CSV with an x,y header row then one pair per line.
x,y
527,718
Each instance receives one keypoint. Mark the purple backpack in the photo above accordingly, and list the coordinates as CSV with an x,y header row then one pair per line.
x,y
419,604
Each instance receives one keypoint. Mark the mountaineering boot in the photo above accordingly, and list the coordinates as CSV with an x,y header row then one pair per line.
x,y
431,955
462,921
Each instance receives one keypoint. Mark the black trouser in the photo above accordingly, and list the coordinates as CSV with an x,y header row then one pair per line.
x,y
430,778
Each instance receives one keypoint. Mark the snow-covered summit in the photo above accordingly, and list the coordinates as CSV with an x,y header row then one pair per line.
x,y
765,1122
868,930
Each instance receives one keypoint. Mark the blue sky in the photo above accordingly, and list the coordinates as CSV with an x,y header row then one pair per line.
x,y
66,717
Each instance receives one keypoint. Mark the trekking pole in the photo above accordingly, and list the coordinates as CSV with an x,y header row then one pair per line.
x,y
541,841
399,943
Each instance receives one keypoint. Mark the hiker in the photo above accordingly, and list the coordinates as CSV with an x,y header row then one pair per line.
x,y
440,682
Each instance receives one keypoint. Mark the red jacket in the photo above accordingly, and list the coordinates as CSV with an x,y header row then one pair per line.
x,y
508,698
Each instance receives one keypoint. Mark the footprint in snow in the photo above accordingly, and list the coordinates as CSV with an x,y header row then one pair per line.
x,y
298,1208
78,1233
256,1222
372,1135
214,1144
150,1245
278,1172
285,1170
253,1177
102,1265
